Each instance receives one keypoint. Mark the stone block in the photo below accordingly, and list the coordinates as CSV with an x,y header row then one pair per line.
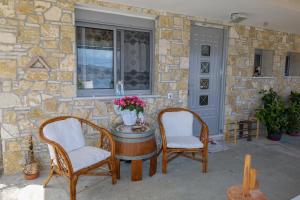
x,y
166,34
68,91
41,6
68,63
9,117
35,113
66,46
53,14
9,100
178,21
65,76
6,37
12,162
50,44
177,35
39,86
29,35
67,18
33,99
50,105
6,86
166,21
177,49
50,31
9,131
8,69
37,75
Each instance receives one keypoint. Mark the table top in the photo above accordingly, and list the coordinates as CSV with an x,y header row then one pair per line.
x,y
134,131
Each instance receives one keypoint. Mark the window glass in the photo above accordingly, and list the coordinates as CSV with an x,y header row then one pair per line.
x,y
136,60
263,63
96,52
95,58
292,64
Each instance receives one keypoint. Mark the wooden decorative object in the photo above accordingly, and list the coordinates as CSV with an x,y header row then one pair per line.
x,y
235,127
135,144
249,189
64,165
38,63
168,153
31,169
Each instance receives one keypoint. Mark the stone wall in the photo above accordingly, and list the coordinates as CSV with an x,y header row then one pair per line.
x,y
45,28
242,88
30,96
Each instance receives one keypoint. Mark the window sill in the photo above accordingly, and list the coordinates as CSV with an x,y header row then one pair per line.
x,y
113,97
263,77
292,77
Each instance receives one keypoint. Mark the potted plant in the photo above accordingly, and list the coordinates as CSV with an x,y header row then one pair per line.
x,y
130,108
272,114
293,114
31,168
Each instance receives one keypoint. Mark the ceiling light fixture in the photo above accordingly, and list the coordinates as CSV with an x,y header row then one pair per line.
x,y
238,17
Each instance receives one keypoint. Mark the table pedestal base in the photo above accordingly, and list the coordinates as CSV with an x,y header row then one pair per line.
x,y
137,168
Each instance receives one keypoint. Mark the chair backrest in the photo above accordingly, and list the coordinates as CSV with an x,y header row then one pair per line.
x,y
66,132
178,123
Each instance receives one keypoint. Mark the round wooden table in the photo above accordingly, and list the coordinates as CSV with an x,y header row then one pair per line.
x,y
135,143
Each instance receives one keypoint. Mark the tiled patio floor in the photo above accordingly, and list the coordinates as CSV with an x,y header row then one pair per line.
x,y
278,166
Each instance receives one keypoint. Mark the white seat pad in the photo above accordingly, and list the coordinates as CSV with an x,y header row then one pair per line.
x,y
86,156
184,142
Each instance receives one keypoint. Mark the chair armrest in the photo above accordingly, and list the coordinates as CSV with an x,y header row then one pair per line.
x,y
106,141
204,133
63,160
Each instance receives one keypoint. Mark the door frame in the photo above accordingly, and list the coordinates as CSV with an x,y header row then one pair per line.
x,y
223,74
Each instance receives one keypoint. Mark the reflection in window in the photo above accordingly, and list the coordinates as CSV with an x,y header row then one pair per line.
x,y
292,64
203,100
205,50
136,60
263,62
204,67
204,83
95,58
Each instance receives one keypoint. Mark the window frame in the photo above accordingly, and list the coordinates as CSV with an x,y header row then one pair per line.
x,y
115,28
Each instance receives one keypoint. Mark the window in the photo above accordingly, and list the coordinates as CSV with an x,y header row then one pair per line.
x,y
107,54
292,64
263,62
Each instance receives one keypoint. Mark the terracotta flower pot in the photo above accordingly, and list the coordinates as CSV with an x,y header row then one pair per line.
x,y
31,176
31,171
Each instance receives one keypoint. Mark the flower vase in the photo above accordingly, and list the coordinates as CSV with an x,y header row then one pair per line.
x,y
129,117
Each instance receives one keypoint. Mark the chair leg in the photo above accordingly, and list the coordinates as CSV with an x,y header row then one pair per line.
x,y
73,183
204,160
49,176
113,171
164,162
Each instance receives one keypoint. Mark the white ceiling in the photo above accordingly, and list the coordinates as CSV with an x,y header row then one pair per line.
x,y
281,15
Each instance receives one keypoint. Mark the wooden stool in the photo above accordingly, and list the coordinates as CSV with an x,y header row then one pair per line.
x,y
249,190
235,127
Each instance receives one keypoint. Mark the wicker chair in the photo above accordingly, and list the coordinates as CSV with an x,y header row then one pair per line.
x,y
70,157
176,128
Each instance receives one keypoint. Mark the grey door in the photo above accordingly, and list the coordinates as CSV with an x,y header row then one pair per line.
x,y
205,78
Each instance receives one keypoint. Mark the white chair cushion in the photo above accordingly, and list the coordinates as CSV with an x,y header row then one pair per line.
x,y
87,156
184,142
178,123
67,133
